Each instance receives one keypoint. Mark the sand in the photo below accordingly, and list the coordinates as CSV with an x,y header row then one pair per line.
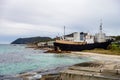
x,y
99,57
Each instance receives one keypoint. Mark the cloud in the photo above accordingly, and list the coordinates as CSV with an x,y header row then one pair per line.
x,y
47,17
14,28
58,11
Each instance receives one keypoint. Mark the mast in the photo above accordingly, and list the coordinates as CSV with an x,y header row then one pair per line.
x,y
101,26
64,32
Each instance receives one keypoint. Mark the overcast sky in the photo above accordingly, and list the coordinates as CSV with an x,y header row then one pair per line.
x,y
27,18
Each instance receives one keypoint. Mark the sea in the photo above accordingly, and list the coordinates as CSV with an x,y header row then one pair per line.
x,y
16,59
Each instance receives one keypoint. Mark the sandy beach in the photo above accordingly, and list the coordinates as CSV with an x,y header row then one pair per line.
x,y
99,57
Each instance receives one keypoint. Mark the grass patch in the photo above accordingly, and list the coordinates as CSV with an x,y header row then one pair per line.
x,y
103,51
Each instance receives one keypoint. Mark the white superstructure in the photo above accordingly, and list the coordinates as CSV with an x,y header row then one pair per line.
x,y
76,36
88,38
100,37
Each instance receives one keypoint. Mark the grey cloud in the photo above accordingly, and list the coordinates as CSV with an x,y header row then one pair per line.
x,y
76,15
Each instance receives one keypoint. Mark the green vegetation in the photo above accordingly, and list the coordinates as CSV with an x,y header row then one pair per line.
x,y
114,46
113,49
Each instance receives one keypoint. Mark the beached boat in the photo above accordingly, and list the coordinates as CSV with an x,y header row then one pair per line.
x,y
65,46
82,41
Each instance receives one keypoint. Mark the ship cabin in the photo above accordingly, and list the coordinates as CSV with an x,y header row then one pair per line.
x,y
80,37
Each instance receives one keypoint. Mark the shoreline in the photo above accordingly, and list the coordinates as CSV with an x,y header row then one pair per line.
x,y
105,59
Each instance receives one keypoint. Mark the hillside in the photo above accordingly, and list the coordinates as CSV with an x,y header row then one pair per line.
x,y
30,40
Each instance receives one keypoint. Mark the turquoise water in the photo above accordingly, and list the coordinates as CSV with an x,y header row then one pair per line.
x,y
16,59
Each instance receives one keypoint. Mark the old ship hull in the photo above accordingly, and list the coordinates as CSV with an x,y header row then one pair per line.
x,y
80,47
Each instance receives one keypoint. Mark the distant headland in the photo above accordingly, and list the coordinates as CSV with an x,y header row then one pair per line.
x,y
30,40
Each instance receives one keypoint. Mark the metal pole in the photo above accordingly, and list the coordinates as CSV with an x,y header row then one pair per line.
x,y
64,32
